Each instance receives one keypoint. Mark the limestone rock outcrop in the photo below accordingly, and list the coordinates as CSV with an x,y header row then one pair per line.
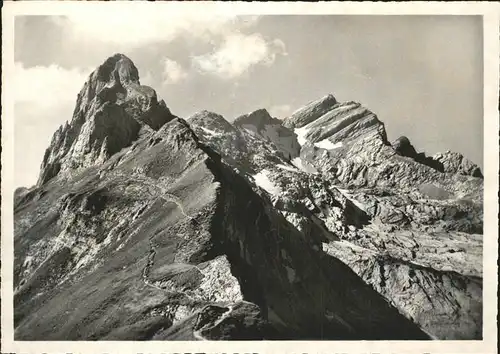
x,y
454,162
310,112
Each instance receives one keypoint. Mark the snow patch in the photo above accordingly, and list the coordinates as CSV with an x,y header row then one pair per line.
x,y
301,135
359,204
262,180
304,165
328,145
210,132
288,168
250,129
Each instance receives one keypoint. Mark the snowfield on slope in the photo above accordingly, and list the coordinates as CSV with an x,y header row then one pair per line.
x,y
262,180
210,132
288,168
301,135
328,145
304,165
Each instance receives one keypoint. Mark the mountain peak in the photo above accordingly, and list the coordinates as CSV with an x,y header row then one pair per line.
x,y
329,98
111,81
118,66
260,123
209,121
111,109
403,147
454,162
258,118
310,112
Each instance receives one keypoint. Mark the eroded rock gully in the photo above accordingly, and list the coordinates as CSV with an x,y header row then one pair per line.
x,y
147,226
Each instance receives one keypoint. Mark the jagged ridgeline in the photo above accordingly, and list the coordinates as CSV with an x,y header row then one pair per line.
x,y
146,226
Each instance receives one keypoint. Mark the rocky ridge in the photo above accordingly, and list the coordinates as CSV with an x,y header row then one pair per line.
x,y
312,227
408,224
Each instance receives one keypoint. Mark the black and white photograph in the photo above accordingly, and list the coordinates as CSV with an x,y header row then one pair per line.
x,y
222,176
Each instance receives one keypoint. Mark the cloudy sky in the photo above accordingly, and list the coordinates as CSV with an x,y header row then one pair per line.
x,y
422,75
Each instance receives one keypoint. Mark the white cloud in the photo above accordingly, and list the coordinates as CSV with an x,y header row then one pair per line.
x,y
147,78
48,86
172,71
134,28
238,53
44,98
280,111
126,29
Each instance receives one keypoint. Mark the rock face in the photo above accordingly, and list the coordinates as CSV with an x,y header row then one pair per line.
x,y
453,162
262,125
217,131
310,112
403,147
311,228
448,162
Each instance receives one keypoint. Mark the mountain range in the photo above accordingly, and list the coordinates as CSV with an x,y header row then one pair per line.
x,y
147,226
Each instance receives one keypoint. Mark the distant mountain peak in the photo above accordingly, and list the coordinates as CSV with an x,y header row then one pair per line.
x,y
310,111
454,162
258,118
210,120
